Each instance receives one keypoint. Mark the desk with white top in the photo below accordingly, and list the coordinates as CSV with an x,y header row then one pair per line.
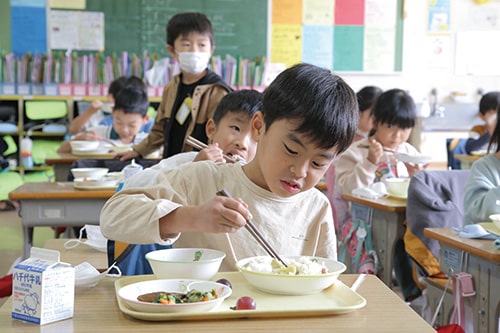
x,y
56,204
387,227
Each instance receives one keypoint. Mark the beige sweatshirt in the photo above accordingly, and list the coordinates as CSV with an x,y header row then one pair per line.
x,y
299,225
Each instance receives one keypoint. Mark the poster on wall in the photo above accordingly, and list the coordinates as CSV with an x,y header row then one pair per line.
x,y
28,26
76,30
341,35
439,16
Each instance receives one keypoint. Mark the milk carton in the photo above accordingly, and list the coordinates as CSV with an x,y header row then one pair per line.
x,y
43,289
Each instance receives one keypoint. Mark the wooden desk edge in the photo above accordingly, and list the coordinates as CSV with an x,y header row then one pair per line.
x,y
435,233
377,205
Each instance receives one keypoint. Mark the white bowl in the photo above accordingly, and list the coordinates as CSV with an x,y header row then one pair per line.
x,y
179,263
90,182
130,293
495,218
84,145
89,172
275,283
398,187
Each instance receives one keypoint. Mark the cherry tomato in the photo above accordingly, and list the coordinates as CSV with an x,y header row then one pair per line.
x,y
225,282
245,303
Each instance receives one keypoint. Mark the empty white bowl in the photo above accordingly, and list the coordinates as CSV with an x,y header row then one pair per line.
x,y
495,218
283,284
84,145
398,187
179,263
89,172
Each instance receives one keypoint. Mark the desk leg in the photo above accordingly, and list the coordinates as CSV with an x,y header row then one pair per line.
x,y
387,228
28,241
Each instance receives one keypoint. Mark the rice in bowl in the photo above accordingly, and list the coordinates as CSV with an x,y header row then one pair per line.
x,y
303,276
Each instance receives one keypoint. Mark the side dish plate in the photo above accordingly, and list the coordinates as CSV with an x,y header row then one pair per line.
x,y
335,300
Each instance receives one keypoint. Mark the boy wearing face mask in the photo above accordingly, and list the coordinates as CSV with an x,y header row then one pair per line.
x,y
191,97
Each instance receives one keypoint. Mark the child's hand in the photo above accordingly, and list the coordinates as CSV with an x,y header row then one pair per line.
x,y
95,106
222,214
87,136
211,153
375,151
414,168
125,156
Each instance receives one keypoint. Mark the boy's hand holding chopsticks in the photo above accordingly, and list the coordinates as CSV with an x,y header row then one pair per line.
x,y
211,153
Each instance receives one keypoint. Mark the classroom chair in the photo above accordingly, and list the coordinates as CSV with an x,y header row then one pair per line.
x,y
435,199
455,146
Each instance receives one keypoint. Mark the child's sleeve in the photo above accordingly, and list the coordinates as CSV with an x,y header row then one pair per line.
x,y
353,170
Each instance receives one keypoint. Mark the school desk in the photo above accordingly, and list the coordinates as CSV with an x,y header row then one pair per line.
x,y
481,259
78,254
467,160
96,310
56,204
387,219
62,162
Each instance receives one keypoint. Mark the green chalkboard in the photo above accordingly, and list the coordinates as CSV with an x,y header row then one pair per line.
x,y
240,26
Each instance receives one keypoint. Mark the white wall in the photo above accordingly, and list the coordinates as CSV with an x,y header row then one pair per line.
x,y
417,76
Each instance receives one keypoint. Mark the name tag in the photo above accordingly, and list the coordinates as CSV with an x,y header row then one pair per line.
x,y
184,111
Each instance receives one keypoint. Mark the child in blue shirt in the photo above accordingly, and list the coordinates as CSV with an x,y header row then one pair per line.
x,y
129,115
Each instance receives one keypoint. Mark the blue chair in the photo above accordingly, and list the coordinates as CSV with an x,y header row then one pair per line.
x,y
455,146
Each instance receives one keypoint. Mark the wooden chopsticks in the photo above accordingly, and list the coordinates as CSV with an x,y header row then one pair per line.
x,y
256,233
201,145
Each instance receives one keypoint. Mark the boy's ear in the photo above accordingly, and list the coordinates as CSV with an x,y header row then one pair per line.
x,y
145,119
171,51
210,129
257,126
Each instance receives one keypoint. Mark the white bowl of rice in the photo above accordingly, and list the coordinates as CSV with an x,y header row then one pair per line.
x,y
304,275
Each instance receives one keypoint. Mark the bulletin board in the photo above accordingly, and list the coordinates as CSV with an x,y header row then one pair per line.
x,y
342,35
358,36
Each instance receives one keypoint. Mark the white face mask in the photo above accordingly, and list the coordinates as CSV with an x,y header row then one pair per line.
x,y
88,276
193,62
95,239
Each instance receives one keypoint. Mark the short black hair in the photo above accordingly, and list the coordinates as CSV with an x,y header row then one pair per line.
x,y
245,101
489,101
132,99
116,85
367,97
321,103
184,23
138,82
395,107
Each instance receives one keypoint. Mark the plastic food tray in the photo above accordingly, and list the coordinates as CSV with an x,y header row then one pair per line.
x,y
337,299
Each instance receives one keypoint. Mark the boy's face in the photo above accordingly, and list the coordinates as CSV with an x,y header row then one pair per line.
x,y
233,135
391,136
127,125
191,42
286,162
